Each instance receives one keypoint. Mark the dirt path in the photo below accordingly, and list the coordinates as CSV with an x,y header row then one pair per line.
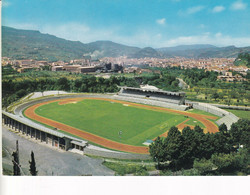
x,y
30,112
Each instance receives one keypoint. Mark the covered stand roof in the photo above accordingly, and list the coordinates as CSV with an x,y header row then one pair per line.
x,y
38,126
155,91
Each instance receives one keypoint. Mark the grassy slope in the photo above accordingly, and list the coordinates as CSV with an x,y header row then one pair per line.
x,y
136,124
240,113
196,111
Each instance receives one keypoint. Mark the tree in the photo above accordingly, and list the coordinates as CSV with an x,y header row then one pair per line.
x,y
197,90
223,128
156,150
134,71
32,163
208,153
240,133
229,163
189,146
221,143
16,165
204,166
221,96
215,96
16,168
63,84
173,148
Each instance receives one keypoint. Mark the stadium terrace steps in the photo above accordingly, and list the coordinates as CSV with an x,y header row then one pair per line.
x,y
160,95
227,117
168,99
143,100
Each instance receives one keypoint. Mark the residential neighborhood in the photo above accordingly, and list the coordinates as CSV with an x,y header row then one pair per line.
x,y
123,64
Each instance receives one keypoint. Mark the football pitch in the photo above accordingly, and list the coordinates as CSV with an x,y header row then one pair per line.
x,y
120,122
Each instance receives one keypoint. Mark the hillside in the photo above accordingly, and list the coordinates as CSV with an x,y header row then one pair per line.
x,y
111,49
146,52
30,44
185,47
203,51
243,59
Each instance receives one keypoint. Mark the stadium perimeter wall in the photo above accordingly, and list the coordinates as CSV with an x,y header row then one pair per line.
x,y
232,107
118,155
227,118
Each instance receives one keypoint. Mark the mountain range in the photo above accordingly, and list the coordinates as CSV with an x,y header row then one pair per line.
x,y
31,44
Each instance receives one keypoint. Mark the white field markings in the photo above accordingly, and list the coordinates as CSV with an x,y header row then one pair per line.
x,y
156,130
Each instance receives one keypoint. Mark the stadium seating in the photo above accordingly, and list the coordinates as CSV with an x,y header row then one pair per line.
x,y
138,99
227,117
158,95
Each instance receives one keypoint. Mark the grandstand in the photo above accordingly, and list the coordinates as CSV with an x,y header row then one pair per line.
x,y
160,95
228,120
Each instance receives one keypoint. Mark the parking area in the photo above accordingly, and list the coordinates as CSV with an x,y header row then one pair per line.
x,y
50,161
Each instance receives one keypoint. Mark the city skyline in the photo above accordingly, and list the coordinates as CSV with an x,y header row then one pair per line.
x,y
156,24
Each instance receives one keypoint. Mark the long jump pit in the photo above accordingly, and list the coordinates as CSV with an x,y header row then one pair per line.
x,y
30,113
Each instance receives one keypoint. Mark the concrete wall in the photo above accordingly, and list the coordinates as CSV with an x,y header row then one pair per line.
x,y
232,107
119,155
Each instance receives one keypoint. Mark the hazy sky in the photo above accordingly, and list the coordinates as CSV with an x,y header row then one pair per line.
x,y
155,23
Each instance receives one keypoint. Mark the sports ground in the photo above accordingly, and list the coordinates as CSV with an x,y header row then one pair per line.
x,y
114,124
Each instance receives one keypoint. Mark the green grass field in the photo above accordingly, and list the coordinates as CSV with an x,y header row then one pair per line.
x,y
240,113
196,111
106,119
194,122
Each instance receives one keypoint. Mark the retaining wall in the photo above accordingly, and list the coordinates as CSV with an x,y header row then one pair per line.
x,y
232,107
119,155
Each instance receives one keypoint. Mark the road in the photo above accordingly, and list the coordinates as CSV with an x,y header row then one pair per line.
x,y
50,161
182,84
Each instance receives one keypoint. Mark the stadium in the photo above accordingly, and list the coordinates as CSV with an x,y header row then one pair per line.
x,y
121,125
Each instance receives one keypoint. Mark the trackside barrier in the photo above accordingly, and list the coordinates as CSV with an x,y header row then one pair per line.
x,y
119,155
232,107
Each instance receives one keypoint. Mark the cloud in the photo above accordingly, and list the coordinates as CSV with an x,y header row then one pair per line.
x,y
141,38
202,26
6,3
71,31
161,21
238,5
218,35
85,34
193,10
217,39
218,9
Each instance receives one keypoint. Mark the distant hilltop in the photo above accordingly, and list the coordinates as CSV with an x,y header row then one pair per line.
x,y
31,44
